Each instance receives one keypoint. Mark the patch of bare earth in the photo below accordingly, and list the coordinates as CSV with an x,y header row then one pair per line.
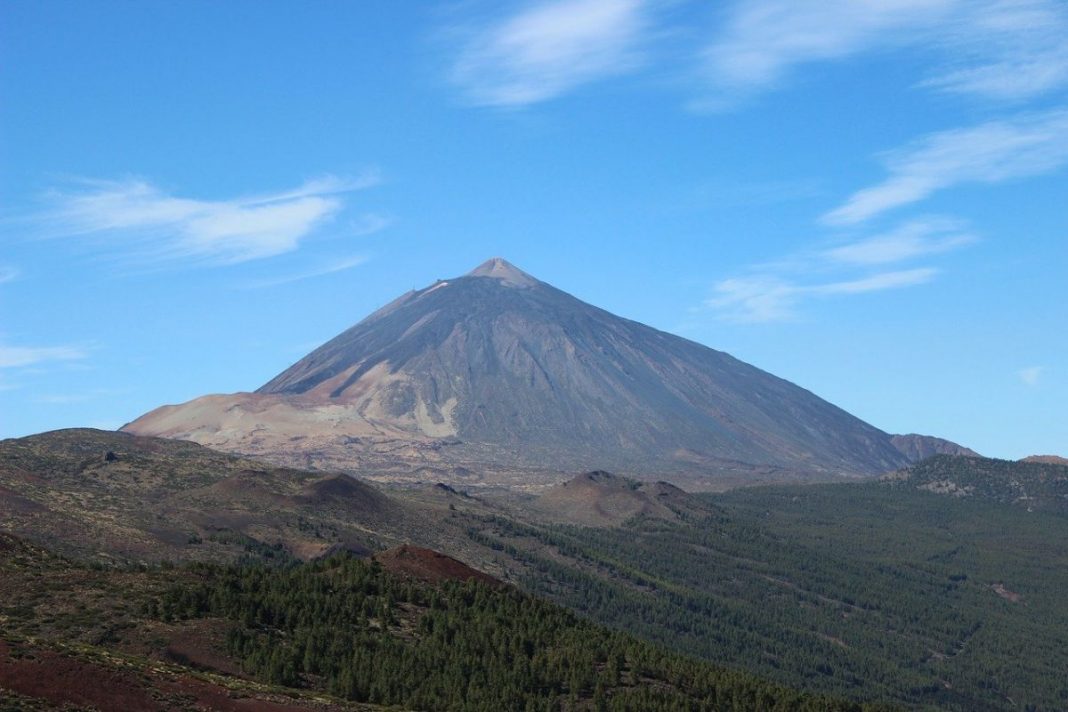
x,y
428,565
70,680
1012,596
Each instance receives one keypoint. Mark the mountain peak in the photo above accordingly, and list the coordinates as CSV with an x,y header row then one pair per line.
x,y
496,371
502,269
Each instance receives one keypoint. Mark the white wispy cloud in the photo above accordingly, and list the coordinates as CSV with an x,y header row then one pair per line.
x,y
992,152
8,274
1031,375
136,217
876,282
19,356
1005,49
999,49
334,267
548,49
774,291
754,299
764,298
916,238
368,224
763,39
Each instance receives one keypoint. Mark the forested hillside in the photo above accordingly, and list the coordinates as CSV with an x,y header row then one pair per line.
x,y
872,591
348,629
940,586
1029,484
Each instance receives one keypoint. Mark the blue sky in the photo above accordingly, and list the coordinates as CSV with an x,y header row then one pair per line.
x,y
866,198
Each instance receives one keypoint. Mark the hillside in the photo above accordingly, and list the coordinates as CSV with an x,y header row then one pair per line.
x,y
878,590
115,496
603,499
516,382
1031,485
75,638
430,566
1046,459
326,636
920,447
965,594
870,590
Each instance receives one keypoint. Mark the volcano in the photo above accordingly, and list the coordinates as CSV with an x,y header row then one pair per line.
x,y
498,377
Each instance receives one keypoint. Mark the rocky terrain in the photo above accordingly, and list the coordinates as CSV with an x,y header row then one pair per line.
x,y
119,497
1046,459
496,378
1035,485
920,447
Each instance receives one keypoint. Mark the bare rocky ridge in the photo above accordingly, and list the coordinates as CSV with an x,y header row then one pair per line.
x,y
1046,459
498,378
920,447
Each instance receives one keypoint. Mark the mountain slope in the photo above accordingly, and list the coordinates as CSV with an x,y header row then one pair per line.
x,y
114,496
496,369
1034,485
601,499
920,447
334,634
1046,459
800,584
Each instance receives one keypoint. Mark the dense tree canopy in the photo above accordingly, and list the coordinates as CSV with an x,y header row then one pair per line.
x,y
361,633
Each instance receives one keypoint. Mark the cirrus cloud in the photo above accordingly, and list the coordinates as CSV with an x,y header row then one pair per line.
x,y
21,356
1005,50
775,291
916,238
338,265
992,152
136,218
763,39
764,298
1030,375
548,49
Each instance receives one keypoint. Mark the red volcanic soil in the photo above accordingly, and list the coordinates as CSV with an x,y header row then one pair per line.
x,y
14,503
429,565
198,644
66,680
61,679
